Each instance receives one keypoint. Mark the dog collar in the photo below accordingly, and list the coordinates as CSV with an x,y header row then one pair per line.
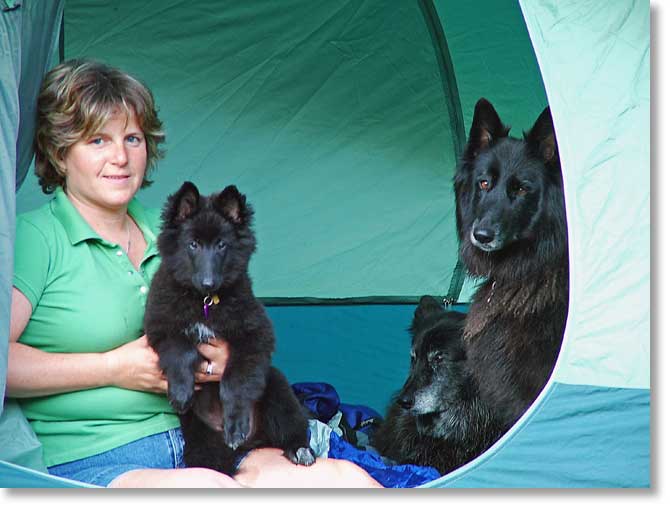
x,y
208,301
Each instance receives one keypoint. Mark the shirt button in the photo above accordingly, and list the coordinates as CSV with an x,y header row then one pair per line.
x,y
143,289
119,253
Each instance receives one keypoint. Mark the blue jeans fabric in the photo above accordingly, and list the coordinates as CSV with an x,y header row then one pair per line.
x,y
164,450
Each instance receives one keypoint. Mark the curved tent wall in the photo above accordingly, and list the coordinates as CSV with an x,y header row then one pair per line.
x,y
342,123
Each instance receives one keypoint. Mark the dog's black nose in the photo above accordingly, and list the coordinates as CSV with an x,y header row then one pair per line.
x,y
405,402
484,235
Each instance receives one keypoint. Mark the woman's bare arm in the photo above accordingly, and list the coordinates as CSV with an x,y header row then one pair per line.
x,y
32,372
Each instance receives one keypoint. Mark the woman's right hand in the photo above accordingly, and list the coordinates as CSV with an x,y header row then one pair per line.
x,y
135,366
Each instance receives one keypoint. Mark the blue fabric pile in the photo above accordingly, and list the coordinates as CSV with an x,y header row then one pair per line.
x,y
349,427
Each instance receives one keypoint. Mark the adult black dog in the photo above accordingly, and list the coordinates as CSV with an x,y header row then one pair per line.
x,y
511,222
437,418
202,290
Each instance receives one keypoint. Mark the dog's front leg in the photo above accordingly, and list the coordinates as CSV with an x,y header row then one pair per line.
x,y
242,385
179,359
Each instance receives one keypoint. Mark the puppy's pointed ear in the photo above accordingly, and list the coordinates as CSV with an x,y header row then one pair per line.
x,y
181,205
486,129
233,205
541,138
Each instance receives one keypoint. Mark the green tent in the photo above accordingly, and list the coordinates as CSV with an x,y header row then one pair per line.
x,y
343,123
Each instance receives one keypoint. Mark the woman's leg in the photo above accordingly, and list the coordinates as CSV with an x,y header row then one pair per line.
x,y
152,461
267,467
194,477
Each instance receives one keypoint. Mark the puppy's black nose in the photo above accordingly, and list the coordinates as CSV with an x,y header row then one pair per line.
x,y
405,402
207,284
484,235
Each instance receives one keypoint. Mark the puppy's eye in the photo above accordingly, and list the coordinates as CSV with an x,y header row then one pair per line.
x,y
484,184
438,358
221,245
520,191
193,245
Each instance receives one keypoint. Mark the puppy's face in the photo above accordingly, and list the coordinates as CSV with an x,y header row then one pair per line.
x,y
206,241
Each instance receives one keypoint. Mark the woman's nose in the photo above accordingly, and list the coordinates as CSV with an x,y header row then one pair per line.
x,y
120,155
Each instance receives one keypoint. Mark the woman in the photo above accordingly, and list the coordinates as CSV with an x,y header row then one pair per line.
x,y
86,377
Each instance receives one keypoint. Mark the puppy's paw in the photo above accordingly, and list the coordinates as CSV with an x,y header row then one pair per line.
x,y
236,430
302,456
181,398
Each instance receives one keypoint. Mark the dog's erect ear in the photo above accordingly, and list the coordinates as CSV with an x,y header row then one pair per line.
x,y
233,205
182,204
486,129
542,139
428,306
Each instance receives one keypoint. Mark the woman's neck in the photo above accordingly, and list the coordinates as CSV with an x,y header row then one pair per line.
x,y
108,223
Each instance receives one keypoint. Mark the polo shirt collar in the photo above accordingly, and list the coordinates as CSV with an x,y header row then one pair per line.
x,y
78,230
75,226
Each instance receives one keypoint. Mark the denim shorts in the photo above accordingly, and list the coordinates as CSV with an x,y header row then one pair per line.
x,y
164,450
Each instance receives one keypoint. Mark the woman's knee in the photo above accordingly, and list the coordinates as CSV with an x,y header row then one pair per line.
x,y
196,477
267,467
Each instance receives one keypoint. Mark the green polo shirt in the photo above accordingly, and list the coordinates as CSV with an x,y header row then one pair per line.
x,y
86,297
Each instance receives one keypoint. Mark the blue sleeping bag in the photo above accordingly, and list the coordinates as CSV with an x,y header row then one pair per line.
x,y
349,427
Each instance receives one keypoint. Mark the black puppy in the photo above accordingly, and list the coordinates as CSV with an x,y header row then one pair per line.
x,y
511,222
437,418
202,290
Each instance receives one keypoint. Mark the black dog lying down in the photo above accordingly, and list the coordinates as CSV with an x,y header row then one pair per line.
x,y
202,290
437,418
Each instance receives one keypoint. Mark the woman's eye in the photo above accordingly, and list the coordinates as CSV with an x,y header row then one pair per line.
x,y
97,141
484,185
193,245
134,139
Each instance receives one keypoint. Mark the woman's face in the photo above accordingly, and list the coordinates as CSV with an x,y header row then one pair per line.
x,y
105,170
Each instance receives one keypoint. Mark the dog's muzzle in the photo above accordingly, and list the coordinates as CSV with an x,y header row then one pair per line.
x,y
486,238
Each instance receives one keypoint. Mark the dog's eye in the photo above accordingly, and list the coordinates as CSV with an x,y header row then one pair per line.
x,y
521,191
193,245
484,185
438,358
221,245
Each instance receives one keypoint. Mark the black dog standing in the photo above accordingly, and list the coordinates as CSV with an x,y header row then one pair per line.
x,y
511,222
202,290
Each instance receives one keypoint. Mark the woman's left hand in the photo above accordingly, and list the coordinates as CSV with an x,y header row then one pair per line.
x,y
216,353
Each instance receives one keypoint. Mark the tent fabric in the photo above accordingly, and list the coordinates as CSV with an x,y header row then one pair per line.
x,y
10,65
491,58
40,27
601,113
334,127
18,442
579,436
329,343
340,123
15,476
28,37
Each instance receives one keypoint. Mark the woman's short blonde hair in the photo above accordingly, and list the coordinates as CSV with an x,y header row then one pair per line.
x,y
76,99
